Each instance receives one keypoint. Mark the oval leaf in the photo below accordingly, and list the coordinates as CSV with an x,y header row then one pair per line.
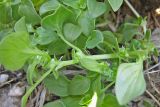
x,y
96,8
73,3
93,65
5,13
48,6
130,82
27,9
79,85
115,4
56,20
21,25
72,101
71,31
45,36
86,23
57,86
95,38
15,50
56,103
110,100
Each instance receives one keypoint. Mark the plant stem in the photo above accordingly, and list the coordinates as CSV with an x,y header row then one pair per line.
x,y
65,63
132,8
27,94
116,55
108,86
68,43
104,56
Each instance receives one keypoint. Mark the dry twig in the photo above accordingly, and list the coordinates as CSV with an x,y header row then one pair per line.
x,y
158,103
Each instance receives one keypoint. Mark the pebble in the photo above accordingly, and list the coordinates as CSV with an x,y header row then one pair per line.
x,y
156,38
16,91
3,78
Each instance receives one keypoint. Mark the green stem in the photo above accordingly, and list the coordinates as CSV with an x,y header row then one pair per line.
x,y
68,43
108,86
104,56
27,94
66,63
116,55
132,8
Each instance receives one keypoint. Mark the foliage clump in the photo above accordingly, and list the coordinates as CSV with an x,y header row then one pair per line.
x,y
57,34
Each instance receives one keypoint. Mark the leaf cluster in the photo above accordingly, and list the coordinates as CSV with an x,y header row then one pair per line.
x,y
56,35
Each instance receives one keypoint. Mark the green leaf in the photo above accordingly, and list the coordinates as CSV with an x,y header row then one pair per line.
x,y
15,13
93,102
38,3
45,36
94,39
93,65
48,6
71,32
72,3
80,42
56,20
57,47
148,103
57,86
72,101
96,8
130,82
20,25
110,40
96,85
82,4
86,23
5,32
31,71
115,4
85,100
79,85
56,103
15,50
15,2
110,101
5,13
90,64
128,31
27,9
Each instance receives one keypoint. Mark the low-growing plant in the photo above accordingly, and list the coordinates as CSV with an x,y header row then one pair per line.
x,y
45,37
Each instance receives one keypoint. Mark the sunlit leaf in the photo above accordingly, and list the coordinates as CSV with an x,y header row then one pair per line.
x,y
130,82
15,50
93,102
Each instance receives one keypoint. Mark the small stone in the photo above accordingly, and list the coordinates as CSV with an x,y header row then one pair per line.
x,y
156,38
3,78
16,91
